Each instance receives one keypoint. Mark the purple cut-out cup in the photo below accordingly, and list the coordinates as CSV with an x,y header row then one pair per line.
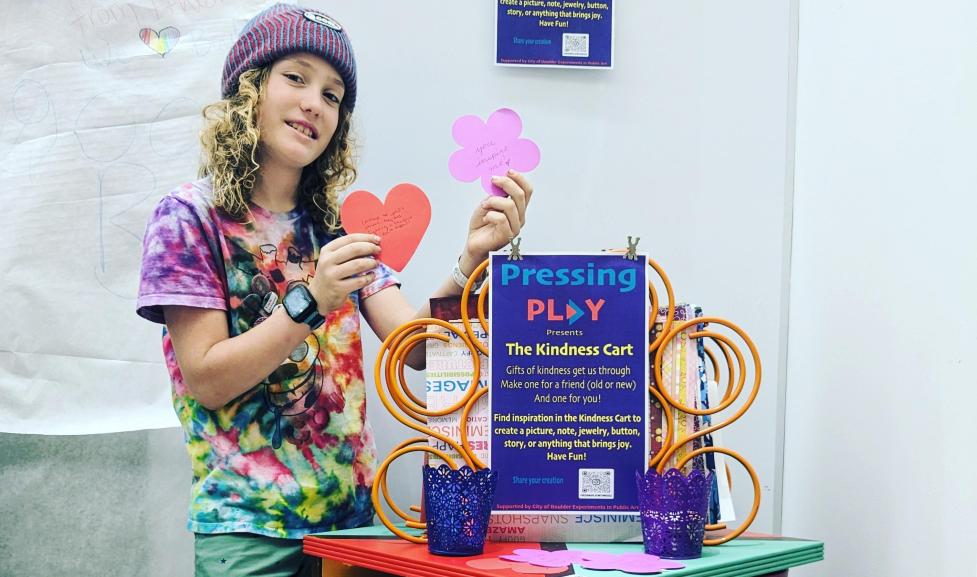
x,y
457,506
674,509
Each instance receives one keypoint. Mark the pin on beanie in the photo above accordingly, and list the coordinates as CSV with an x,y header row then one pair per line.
x,y
285,29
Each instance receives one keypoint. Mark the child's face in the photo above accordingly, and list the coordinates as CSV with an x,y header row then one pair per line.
x,y
300,110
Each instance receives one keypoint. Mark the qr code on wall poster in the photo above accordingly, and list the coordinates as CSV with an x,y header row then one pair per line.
x,y
576,45
595,484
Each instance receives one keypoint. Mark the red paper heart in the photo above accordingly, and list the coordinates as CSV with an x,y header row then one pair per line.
x,y
400,221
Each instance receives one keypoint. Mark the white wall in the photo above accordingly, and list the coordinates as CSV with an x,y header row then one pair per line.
x,y
879,461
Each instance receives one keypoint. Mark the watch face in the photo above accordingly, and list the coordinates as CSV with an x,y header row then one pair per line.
x,y
297,299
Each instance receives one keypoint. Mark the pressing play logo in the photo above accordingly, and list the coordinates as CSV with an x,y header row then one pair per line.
x,y
570,311
591,275
585,274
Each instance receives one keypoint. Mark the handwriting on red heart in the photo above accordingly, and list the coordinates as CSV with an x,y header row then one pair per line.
x,y
400,221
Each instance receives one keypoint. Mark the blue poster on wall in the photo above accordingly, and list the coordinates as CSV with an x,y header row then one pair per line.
x,y
569,366
556,33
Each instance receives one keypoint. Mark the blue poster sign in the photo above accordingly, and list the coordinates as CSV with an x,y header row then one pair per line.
x,y
557,33
568,397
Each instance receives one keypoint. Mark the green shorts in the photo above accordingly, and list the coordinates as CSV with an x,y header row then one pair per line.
x,y
249,555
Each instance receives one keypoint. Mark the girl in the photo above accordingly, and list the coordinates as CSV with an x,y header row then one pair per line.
x,y
261,295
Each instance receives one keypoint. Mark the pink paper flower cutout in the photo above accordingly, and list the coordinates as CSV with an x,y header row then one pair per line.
x,y
637,563
491,148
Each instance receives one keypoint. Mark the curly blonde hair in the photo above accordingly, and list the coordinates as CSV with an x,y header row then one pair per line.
x,y
230,155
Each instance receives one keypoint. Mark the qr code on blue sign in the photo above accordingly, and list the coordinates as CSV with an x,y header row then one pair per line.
x,y
595,484
576,45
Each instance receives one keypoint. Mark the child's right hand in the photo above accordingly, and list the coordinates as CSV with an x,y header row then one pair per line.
x,y
345,265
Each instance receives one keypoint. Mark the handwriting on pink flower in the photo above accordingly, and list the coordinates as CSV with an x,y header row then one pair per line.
x,y
491,148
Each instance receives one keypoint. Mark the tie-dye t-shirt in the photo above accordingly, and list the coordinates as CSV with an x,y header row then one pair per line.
x,y
295,454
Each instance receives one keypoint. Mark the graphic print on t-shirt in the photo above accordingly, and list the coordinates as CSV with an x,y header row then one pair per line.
x,y
292,390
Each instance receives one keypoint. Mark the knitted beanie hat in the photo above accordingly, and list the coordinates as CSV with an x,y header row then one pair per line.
x,y
284,29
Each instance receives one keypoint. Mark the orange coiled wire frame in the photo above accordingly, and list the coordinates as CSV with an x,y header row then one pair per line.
x,y
389,376
670,404
413,412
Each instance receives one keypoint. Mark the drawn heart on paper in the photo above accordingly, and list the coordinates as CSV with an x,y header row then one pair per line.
x,y
400,221
160,42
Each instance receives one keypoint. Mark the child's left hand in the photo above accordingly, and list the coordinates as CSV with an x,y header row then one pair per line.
x,y
497,220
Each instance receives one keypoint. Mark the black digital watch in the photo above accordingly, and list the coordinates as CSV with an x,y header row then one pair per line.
x,y
301,306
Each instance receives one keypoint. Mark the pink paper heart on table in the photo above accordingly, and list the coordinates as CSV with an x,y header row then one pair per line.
x,y
497,564
491,564
543,558
526,569
491,148
400,221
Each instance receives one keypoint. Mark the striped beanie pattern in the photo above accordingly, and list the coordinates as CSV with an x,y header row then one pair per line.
x,y
284,29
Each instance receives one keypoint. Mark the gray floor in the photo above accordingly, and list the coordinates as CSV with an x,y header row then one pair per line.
x,y
98,505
